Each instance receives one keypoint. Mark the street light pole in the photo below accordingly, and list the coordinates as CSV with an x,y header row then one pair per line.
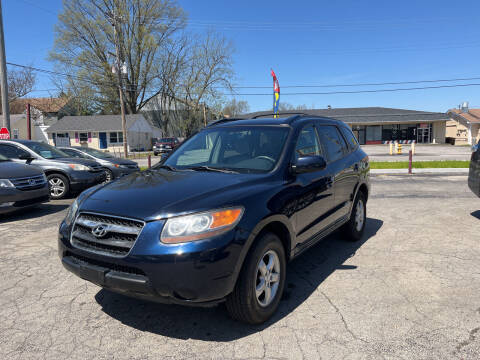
x,y
3,76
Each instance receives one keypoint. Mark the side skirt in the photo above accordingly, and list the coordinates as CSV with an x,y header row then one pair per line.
x,y
321,235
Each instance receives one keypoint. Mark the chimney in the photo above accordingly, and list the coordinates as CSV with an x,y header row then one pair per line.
x,y
465,107
329,107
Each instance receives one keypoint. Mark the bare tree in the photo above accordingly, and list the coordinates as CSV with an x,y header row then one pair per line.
x,y
234,108
85,47
20,83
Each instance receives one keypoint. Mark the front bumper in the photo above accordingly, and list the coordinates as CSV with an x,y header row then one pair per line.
x,y
161,149
21,199
199,274
80,180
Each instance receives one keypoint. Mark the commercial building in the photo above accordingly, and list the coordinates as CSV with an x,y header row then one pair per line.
x,y
376,125
463,126
103,132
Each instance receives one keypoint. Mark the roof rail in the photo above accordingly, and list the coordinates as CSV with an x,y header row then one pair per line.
x,y
282,113
224,120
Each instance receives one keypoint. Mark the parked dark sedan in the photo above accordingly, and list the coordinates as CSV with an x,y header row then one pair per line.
x,y
114,167
64,174
222,216
21,186
474,172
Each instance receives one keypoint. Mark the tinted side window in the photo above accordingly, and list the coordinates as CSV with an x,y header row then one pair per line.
x,y
348,135
73,153
307,143
11,152
332,141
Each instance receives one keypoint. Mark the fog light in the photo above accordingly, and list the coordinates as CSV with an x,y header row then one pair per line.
x,y
6,204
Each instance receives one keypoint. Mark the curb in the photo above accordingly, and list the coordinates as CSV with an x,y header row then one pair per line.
x,y
423,172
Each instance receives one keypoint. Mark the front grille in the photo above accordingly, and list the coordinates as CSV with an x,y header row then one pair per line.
x,y
104,234
29,183
132,166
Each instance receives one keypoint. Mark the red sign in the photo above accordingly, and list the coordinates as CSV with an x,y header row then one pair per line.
x,y
4,134
423,126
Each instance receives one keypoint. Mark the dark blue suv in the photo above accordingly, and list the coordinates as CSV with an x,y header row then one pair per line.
x,y
222,216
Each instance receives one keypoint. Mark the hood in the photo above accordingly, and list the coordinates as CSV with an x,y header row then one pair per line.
x,y
86,162
156,194
120,161
12,170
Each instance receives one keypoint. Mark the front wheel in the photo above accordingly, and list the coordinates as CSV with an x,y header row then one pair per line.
x,y
355,227
260,284
58,185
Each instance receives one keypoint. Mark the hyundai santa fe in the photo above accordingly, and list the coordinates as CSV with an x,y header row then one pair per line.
x,y
220,219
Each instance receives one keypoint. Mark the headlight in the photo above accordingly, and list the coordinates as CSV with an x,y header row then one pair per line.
x,y
79,167
5,183
72,212
200,226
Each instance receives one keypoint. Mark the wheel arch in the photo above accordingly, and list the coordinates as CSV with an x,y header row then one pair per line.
x,y
279,225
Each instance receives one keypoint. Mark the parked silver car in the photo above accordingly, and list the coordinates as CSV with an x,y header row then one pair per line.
x,y
64,173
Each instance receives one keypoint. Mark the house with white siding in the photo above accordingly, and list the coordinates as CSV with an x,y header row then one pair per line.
x,y
103,132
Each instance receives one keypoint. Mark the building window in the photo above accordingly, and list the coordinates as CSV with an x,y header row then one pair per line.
x,y
15,133
83,137
116,137
374,134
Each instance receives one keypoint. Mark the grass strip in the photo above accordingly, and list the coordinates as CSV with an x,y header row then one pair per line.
x,y
420,164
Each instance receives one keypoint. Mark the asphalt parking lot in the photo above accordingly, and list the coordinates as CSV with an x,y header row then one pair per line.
x,y
409,290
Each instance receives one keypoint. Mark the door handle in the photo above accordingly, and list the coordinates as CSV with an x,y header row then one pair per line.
x,y
355,167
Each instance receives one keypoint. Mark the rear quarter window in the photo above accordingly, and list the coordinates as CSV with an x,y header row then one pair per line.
x,y
349,137
332,141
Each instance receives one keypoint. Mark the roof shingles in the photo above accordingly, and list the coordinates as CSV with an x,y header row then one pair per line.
x,y
93,123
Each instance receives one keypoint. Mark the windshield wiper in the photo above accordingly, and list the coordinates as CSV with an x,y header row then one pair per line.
x,y
208,168
168,167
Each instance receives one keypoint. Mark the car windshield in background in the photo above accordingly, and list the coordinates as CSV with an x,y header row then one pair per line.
x,y
238,148
97,153
166,140
46,151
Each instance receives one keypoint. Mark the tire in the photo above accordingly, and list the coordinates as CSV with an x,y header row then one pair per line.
x,y
354,228
242,304
155,154
59,186
108,175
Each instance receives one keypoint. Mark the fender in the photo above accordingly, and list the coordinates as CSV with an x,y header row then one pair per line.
x,y
252,236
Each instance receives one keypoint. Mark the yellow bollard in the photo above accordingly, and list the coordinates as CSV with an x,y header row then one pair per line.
x,y
399,149
391,148
413,148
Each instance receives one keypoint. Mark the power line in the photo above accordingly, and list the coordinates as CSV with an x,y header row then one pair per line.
x,y
302,93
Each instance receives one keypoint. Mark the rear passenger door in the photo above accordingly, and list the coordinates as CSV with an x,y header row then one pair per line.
x,y
344,177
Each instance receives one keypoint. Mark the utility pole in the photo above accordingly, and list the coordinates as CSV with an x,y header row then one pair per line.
x,y
119,70
205,114
29,123
3,76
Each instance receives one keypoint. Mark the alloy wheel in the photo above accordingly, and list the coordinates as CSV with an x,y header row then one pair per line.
x,y
359,215
267,278
57,187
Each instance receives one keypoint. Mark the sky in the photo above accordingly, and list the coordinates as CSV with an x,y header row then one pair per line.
x,y
310,43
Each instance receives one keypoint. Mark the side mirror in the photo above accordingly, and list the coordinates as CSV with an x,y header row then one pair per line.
x,y
307,164
27,157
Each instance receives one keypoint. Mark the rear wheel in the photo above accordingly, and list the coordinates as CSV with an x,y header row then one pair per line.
x,y
355,227
260,284
58,185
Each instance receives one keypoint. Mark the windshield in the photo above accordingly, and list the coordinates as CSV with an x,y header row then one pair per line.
x,y
46,151
166,140
3,158
243,149
97,153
